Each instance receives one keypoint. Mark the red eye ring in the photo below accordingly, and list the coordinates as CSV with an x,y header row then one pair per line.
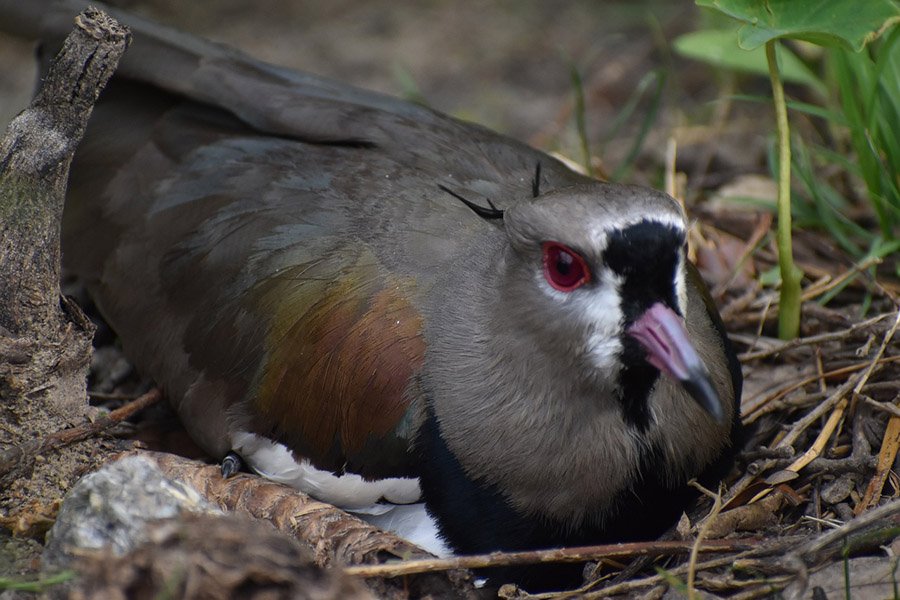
x,y
564,269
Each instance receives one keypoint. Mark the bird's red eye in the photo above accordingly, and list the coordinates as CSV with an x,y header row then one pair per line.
x,y
564,269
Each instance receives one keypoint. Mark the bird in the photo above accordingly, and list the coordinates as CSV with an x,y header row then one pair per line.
x,y
382,305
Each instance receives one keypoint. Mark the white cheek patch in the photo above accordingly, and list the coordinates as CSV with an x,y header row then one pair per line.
x,y
600,305
681,284
350,491
603,311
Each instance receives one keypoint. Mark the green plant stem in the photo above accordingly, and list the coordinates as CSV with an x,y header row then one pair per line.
x,y
580,120
789,303
37,586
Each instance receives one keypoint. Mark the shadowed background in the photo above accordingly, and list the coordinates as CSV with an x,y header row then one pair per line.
x,y
503,64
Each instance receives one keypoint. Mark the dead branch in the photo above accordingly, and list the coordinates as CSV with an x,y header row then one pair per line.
x,y
34,165
45,340
335,537
558,555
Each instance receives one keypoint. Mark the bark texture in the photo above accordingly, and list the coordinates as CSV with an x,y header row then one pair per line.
x,y
45,339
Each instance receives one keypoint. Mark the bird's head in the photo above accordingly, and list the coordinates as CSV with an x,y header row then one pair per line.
x,y
604,269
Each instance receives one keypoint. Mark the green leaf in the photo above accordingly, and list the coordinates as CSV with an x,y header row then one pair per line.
x,y
851,24
719,47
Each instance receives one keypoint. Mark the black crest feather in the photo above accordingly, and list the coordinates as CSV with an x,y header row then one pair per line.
x,y
492,212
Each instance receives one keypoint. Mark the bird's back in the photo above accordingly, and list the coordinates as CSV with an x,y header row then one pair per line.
x,y
254,233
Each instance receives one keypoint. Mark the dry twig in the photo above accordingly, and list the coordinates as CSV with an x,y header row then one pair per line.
x,y
11,457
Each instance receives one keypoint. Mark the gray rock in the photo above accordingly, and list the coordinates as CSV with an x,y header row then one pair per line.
x,y
110,508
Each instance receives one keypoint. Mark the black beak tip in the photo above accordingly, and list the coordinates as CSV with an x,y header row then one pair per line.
x,y
702,391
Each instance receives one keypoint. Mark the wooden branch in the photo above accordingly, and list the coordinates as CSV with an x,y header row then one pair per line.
x,y
557,555
335,537
45,340
35,156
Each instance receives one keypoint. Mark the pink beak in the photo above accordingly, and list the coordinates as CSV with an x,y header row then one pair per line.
x,y
661,332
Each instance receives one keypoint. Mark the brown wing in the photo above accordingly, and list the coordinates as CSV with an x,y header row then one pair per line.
x,y
337,368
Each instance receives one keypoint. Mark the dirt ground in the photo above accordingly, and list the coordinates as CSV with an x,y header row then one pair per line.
x,y
508,65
